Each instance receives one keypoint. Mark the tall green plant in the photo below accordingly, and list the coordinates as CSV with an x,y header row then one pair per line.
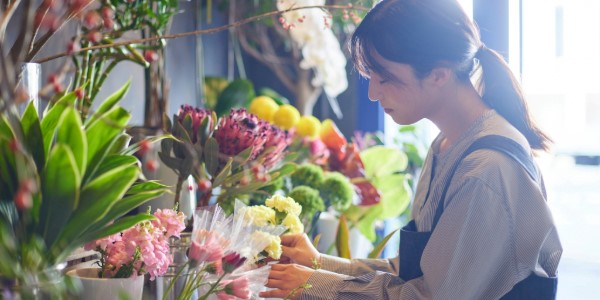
x,y
64,182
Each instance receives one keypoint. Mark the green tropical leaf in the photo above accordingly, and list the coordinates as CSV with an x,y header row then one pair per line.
x,y
109,103
117,226
32,134
238,93
376,252
70,132
5,129
60,183
52,117
115,161
380,160
395,194
96,200
101,135
342,239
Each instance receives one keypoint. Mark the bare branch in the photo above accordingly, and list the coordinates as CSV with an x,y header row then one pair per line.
x,y
199,32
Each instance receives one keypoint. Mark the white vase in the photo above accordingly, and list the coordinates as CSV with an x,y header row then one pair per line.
x,y
327,225
94,288
29,80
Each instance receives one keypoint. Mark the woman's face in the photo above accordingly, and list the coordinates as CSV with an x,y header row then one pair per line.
x,y
403,96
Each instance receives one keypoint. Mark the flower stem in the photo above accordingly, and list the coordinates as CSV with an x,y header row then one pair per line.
x,y
178,189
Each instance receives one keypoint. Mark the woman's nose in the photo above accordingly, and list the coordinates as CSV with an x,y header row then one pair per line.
x,y
373,94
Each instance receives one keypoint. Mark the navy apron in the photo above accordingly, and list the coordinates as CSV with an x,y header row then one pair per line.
x,y
412,242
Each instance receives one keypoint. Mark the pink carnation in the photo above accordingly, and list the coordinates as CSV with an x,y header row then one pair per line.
x,y
207,251
239,287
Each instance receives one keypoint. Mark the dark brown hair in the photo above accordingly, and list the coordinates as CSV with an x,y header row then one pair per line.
x,y
426,34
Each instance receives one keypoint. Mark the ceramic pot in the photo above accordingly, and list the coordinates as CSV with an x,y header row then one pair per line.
x,y
94,288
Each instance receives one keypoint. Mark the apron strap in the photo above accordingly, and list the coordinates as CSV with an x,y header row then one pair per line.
x,y
498,143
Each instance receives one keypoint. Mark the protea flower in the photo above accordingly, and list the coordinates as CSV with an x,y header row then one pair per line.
x,y
241,130
278,140
197,116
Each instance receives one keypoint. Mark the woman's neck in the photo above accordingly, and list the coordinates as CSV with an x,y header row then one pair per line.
x,y
458,109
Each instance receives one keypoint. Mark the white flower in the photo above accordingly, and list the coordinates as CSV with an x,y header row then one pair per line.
x,y
321,50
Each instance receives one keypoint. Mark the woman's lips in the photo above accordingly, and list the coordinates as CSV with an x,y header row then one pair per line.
x,y
388,110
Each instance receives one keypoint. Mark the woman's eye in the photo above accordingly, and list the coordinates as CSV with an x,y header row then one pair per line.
x,y
382,81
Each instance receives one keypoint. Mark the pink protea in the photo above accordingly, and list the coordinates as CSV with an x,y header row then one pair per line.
x,y
240,130
278,140
197,116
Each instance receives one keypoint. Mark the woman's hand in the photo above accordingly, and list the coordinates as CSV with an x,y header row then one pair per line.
x,y
298,249
287,280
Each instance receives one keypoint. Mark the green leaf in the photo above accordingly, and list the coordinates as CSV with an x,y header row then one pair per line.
x,y
226,171
97,198
52,117
117,226
342,239
8,169
213,86
32,133
60,183
101,135
70,132
376,252
380,160
109,103
395,195
115,161
242,158
238,93
5,129
211,156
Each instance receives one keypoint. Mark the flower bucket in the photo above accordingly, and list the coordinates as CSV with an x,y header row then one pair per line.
x,y
94,288
178,249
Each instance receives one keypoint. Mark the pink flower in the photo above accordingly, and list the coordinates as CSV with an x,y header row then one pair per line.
x,y
171,222
232,261
239,287
239,131
196,116
103,243
208,251
277,141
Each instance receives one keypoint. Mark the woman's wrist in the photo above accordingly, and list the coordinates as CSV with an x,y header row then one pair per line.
x,y
316,262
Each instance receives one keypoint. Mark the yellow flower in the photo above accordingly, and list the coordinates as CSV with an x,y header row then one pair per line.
x,y
273,247
293,224
284,204
260,215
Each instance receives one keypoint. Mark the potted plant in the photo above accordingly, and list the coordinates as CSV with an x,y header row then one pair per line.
x,y
63,183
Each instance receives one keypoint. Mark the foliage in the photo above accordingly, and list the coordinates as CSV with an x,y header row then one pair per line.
x,y
65,182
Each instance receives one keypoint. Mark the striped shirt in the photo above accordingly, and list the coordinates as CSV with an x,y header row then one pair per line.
x,y
495,230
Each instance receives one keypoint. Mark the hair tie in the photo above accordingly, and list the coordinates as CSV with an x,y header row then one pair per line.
x,y
482,48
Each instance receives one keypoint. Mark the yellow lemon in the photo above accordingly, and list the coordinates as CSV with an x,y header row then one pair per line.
x,y
286,117
264,107
308,126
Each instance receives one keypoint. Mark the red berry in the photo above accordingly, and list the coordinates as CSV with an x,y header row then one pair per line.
x,y
94,36
79,93
144,147
14,145
204,185
245,180
151,56
28,185
73,47
107,13
23,200
91,19
53,78
151,165
58,88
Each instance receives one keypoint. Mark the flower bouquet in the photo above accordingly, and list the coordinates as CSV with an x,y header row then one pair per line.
x,y
229,157
225,249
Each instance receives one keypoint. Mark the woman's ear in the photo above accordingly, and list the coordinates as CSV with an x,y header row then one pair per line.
x,y
440,76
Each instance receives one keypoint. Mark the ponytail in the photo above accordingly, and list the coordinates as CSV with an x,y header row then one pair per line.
x,y
501,91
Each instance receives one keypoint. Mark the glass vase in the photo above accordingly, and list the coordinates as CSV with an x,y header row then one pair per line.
x,y
47,284
29,81
177,272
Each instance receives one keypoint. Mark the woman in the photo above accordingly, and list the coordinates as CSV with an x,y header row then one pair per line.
x,y
481,228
